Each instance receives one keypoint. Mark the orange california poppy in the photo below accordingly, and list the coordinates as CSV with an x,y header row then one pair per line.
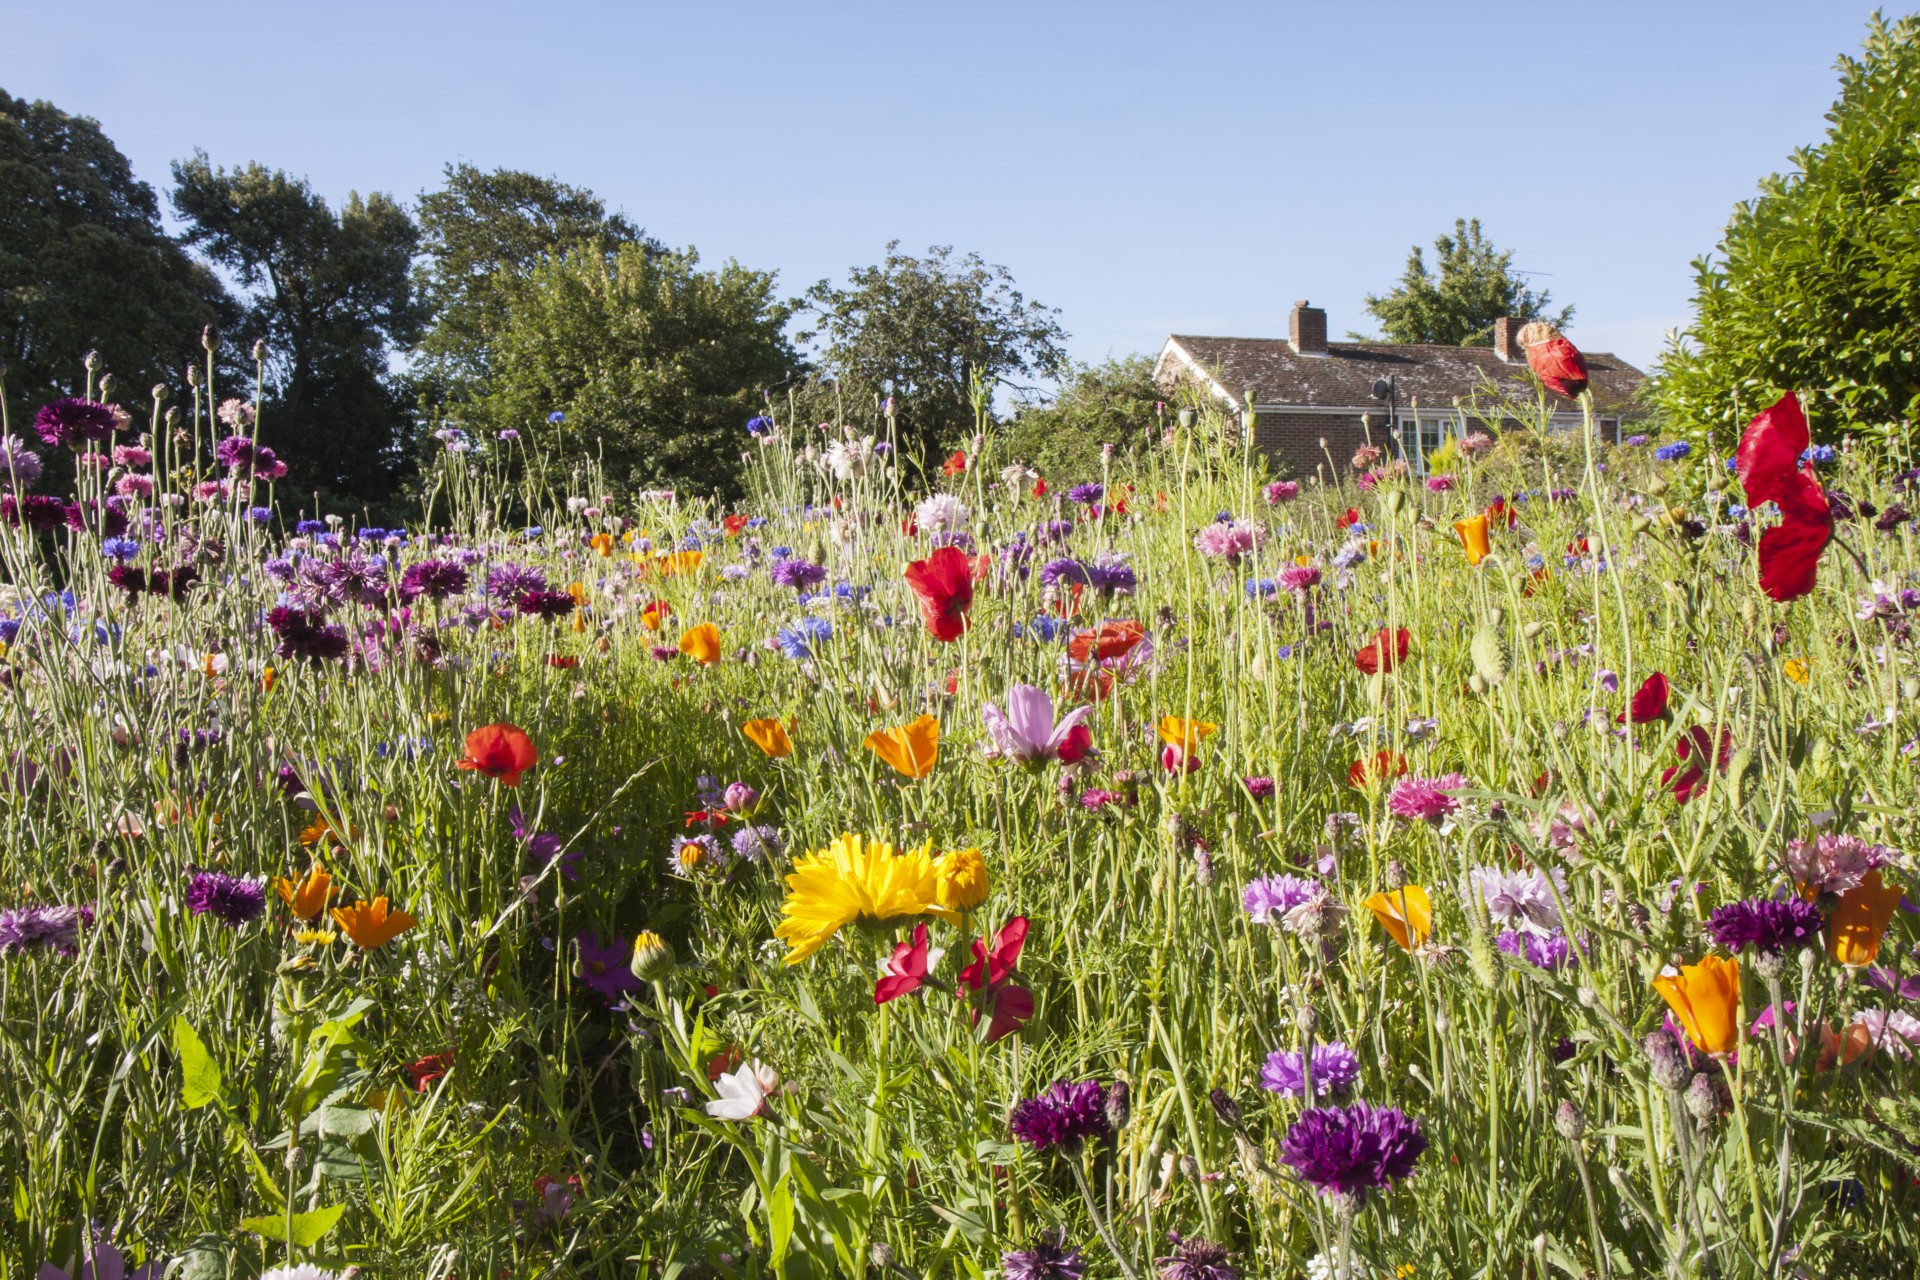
x,y
1185,734
1109,640
308,898
602,543
1857,924
656,612
501,751
1383,765
1473,536
1706,999
770,736
371,925
702,644
911,749
267,678
1406,913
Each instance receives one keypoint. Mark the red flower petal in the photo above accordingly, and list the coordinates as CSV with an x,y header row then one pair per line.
x,y
1790,556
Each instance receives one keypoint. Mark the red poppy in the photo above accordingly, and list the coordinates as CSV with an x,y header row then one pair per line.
x,y
1008,1005
1559,364
564,661
1770,470
955,464
1040,487
1348,518
1579,547
1695,747
953,681
1076,746
1109,640
906,969
1502,510
1384,652
911,525
733,525
1649,701
706,818
944,583
501,751
1383,765
1067,603
424,1071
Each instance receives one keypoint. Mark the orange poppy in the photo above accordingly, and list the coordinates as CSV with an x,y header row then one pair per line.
x,y
1858,923
656,612
1185,734
1706,999
702,644
371,925
911,749
770,736
1473,536
602,543
308,898
1383,765
501,751
1109,640
1406,914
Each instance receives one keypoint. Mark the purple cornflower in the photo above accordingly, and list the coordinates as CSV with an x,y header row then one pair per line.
x,y
303,635
1350,1151
1111,573
1048,1259
76,422
1765,925
37,510
234,453
1424,799
514,580
1259,787
546,605
19,464
1336,1069
603,966
434,579
796,573
1085,494
1196,1258
1541,950
756,844
1054,572
56,927
355,577
1269,898
233,900
1065,1116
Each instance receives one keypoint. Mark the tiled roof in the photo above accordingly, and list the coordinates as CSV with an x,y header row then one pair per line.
x,y
1436,376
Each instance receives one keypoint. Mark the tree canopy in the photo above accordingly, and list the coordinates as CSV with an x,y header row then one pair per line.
x,y
1815,285
1115,402
1475,285
331,295
919,329
85,266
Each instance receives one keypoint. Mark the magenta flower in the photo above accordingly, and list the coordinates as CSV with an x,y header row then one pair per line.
x,y
1229,539
1298,579
1065,1116
1350,1151
1282,491
1424,799
1027,731
604,966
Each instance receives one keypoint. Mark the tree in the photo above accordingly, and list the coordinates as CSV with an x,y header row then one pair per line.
x,y
1815,285
920,328
330,293
1476,286
654,365
1115,402
483,234
84,265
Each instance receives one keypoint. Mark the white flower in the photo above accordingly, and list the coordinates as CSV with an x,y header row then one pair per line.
x,y
1892,1031
849,459
744,1092
1520,900
942,513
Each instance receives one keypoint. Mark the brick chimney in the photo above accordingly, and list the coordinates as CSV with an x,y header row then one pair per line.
x,y
1307,329
1506,340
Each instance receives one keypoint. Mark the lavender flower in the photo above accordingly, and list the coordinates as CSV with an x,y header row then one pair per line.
x,y
1350,1151
1521,900
1336,1069
56,927
1270,898
511,581
1065,1116
1765,925
1541,950
232,900
19,464
1111,573
1086,494
757,844
1048,1259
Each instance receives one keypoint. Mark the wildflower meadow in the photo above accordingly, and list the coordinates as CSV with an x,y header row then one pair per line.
x,y
1486,864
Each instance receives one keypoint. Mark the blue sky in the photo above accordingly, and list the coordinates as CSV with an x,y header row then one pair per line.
x,y
1184,167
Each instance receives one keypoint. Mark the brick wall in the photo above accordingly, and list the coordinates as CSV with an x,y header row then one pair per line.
x,y
1294,440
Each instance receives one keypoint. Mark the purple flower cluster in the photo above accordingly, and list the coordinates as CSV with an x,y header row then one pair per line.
x,y
1350,1151
1111,573
1196,1258
1336,1069
1065,1116
1765,925
75,422
1048,1259
434,579
546,605
1085,494
792,571
56,927
303,634
1269,898
232,900
511,581
1541,950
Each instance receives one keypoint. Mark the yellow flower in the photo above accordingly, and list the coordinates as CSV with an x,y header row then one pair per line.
x,y
1407,914
371,925
911,749
313,937
1706,999
770,736
854,881
602,543
961,877
702,644
1185,734
1796,670
1303,560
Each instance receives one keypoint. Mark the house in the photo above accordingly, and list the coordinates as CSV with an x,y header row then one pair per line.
x,y
1314,402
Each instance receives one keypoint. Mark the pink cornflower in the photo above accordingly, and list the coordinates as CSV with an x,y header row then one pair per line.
x,y
1475,442
134,485
1834,864
131,455
1425,799
1439,484
1299,578
1282,491
1229,539
1366,455
1093,799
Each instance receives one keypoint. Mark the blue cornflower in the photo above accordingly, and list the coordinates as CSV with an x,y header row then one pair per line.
x,y
307,528
121,548
798,641
1047,629
1673,452
556,417
260,515
1635,441
531,532
1262,588
758,424
1817,454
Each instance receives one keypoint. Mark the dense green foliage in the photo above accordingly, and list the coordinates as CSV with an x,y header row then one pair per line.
x,y
1815,285
1115,402
1475,285
85,266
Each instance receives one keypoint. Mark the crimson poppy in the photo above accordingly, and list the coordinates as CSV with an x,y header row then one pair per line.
x,y
1502,511
1040,487
955,464
1649,701
734,524
1559,364
1109,640
1695,747
906,969
1384,652
424,1071
500,751
1347,519
944,583
1768,461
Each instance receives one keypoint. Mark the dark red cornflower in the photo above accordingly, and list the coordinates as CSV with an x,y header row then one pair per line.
x,y
1065,1116
1770,469
944,583
1387,650
1649,701
1765,924
546,605
75,422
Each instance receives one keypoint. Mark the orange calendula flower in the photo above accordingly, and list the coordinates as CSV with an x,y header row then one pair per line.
x,y
371,925
1406,913
307,898
911,749
1473,536
1185,734
702,644
1706,999
1858,923
770,736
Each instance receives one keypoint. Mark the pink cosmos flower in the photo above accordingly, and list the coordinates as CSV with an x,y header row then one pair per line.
x,y
1425,799
1027,731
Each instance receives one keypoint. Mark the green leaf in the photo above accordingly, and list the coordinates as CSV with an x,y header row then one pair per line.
x,y
339,1122
200,1074
308,1228
780,1219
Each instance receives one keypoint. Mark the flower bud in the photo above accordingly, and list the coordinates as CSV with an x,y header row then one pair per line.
x,y
1119,1105
1769,965
1306,1019
1226,1108
206,337
1702,1103
160,393
193,375
1665,1065
259,350
1203,870
92,361
882,1255
1568,1122
107,384
1396,875
653,957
